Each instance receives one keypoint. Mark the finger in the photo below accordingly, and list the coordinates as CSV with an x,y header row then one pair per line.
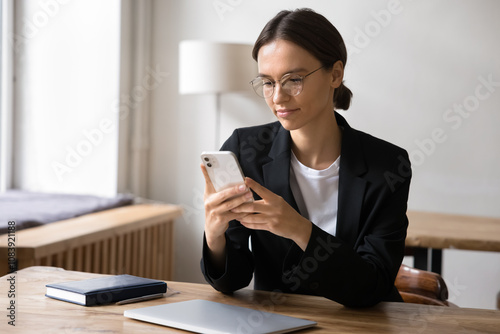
x,y
238,216
257,218
235,201
253,207
255,222
228,216
263,192
209,187
230,197
220,220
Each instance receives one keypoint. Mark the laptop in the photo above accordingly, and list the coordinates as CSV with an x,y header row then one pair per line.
x,y
203,316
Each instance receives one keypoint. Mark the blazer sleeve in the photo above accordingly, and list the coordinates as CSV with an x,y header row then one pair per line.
x,y
238,271
363,275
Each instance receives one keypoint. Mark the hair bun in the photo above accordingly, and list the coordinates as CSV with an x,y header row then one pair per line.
x,y
342,97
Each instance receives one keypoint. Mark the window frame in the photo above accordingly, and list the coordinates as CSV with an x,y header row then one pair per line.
x,y
6,92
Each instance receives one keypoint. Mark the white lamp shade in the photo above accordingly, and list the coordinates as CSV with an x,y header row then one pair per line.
x,y
212,67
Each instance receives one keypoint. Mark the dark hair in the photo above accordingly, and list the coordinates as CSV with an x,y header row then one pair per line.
x,y
313,32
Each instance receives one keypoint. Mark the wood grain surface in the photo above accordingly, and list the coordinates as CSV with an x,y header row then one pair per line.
x,y
441,231
36,313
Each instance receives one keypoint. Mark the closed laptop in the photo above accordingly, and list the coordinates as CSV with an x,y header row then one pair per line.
x,y
202,316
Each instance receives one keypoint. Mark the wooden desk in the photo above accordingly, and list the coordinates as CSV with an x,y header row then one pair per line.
x,y
36,313
432,232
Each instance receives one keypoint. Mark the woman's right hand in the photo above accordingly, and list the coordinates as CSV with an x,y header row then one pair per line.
x,y
218,206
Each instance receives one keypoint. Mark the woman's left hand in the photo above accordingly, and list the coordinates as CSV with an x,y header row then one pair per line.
x,y
272,213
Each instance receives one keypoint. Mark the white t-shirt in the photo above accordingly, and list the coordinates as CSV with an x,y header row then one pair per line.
x,y
316,193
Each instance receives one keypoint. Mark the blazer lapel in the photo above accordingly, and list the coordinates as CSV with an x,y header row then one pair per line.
x,y
277,171
351,185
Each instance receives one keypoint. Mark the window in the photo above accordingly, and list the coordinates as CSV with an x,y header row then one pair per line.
x,y
67,58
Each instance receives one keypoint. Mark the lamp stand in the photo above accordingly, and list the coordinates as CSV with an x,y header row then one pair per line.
x,y
217,120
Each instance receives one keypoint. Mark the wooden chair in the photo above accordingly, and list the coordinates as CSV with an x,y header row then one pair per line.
x,y
421,287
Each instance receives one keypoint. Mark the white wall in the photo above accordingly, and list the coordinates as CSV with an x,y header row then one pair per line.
x,y
407,71
67,57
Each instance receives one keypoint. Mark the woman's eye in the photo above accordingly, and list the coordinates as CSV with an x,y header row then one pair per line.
x,y
267,83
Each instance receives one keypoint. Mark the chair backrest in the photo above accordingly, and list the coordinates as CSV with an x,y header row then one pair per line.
x,y
421,286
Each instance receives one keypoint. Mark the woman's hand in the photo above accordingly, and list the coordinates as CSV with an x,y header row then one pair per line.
x,y
218,212
272,213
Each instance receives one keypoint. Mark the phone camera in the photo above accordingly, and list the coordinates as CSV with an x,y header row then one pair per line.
x,y
209,164
207,159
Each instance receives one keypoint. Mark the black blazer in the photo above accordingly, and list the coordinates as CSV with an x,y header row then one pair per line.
x,y
357,266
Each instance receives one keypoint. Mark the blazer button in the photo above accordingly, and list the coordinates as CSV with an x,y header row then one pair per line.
x,y
314,286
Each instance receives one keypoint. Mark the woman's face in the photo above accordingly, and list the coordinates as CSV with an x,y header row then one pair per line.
x,y
315,103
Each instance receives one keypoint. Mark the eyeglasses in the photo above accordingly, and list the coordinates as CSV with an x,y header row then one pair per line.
x,y
292,84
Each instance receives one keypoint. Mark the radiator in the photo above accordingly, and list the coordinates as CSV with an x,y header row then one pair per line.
x,y
135,240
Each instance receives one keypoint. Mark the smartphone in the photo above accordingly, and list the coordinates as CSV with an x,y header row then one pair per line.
x,y
223,169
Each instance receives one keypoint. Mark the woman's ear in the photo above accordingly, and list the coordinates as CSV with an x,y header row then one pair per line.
x,y
337,74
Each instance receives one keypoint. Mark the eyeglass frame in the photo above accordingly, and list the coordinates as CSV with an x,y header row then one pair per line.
x,y
302,77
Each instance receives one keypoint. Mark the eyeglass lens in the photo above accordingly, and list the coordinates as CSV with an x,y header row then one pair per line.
x,y
291,85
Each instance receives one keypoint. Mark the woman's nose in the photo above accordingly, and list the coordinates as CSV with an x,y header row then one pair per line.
x,y
279,94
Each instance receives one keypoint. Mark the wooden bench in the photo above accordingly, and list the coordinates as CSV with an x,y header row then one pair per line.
x,y
135,239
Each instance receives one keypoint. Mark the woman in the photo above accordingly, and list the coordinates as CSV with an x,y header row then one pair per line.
x,y
329,214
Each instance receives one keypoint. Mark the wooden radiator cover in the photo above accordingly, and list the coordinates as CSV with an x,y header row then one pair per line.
x,y
135,240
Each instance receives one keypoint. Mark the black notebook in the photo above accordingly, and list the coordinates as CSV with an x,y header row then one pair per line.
x,y
105,290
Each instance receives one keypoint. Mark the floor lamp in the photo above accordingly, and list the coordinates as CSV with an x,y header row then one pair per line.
x,y
215,68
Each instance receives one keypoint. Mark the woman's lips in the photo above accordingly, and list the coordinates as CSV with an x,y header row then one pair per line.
x,y
283,113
